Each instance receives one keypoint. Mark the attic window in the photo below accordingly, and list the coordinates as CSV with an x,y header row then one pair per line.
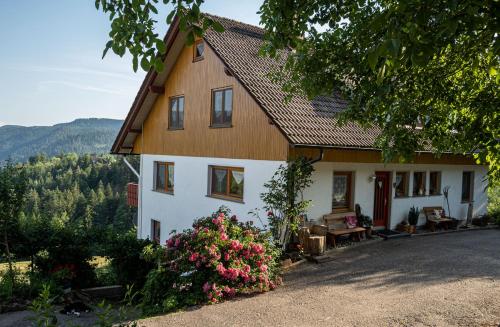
x,y
199,50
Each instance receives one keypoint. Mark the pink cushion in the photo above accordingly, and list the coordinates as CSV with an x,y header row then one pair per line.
x,y
351,221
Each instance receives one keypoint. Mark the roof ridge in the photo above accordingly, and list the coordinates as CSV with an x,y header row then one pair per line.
x,y
234,21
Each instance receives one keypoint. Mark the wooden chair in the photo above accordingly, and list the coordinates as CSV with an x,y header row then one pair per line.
x,y
433,221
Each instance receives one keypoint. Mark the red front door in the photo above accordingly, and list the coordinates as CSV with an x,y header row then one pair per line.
x,y
381,206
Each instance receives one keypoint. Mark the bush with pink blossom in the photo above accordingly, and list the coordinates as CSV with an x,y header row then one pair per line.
x,y
215,260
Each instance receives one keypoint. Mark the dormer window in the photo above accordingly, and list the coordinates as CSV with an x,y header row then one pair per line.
x,y
199,50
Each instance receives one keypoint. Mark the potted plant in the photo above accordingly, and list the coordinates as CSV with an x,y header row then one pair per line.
x,y
413,218
367,223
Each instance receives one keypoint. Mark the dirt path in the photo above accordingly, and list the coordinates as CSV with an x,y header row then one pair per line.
x,y
445,280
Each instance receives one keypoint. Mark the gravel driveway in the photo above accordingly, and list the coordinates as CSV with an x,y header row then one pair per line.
x,y
443,280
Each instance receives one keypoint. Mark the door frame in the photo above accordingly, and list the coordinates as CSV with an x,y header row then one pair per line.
x,y
389,197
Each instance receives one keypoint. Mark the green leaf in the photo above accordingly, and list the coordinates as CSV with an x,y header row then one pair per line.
x,y
218,27
161,47
190,38
135,63
109,44
170,17
145,65
373,59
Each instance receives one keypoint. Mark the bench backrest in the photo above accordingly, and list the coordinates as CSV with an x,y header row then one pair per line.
x,y
336,220
429,211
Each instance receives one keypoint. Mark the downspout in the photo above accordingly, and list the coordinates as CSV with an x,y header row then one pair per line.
x,y
131,167
319,158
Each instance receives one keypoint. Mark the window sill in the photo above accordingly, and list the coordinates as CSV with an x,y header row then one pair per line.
x,y
221,126
466,202
402,197
437,194
418,196
226,198
200,58
175,128
164,192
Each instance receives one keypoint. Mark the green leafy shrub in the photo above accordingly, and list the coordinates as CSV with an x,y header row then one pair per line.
x,y
217,259
126,260
66,257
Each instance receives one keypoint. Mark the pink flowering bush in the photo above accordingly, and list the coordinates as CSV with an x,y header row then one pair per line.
x,y
217,259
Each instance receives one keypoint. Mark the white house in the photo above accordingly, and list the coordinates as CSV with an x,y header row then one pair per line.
x,y
212,128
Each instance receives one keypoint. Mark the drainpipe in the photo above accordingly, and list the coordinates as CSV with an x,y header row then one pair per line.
x,y
319,158
131,168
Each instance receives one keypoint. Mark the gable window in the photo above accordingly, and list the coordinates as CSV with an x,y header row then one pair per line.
x,y
176,113
401,184
199,50
419,183
222,107
435,183
164,180
155,231
342,185
227,182
467,186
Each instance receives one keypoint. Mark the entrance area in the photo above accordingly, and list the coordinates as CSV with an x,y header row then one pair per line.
x,y
382,198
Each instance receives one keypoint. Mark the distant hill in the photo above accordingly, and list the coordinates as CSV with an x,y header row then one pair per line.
x,y
91,135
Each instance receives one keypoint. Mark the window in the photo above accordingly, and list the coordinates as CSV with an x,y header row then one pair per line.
x,y
199,50
176,113
467,186
401,184
435,183
155,231
227,182
164,177
418,183
342,182
222,107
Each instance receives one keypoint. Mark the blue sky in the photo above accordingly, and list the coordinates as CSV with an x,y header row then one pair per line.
x,y
50,60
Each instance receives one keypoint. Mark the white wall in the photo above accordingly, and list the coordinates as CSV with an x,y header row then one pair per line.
x,y
190,200
321,190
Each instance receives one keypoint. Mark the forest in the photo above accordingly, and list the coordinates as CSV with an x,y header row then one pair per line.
x,y
89,190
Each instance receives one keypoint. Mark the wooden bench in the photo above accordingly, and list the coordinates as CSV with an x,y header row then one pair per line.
x,y
433,222
336,226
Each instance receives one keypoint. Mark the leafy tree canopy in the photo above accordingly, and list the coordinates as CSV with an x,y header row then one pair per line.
x,y
426,73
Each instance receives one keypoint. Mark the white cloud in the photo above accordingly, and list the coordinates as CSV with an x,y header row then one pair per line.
x,y
45,85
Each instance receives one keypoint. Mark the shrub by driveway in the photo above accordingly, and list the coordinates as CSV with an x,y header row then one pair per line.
x,y
444,280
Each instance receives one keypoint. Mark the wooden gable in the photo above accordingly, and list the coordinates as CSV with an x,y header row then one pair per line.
x,y
251,136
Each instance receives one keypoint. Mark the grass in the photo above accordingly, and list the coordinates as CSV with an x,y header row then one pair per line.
x,y
23,266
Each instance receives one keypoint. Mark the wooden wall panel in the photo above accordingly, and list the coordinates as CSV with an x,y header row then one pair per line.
x,y
370,156
251,137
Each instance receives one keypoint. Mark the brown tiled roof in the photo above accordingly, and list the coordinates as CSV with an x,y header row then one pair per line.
x,y
302,121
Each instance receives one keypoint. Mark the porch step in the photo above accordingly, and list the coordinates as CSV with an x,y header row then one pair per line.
x,y
321,258
389,234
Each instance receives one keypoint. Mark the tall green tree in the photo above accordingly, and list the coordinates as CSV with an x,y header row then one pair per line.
x,y
12,193
425,73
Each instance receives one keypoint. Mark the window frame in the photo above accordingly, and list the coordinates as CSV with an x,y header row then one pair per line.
x,y
349,191
424,179
406,185
438,181
155,224
166,189
471,187
202,56
170,100
213,124
226,195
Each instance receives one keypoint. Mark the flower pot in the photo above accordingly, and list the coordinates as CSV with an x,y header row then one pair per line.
x,y
412,229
